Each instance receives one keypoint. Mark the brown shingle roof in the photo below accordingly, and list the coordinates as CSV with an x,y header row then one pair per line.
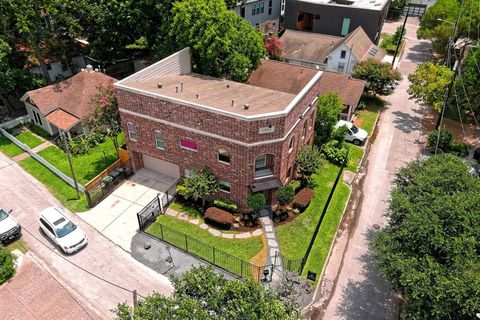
x,y
73,95
281,76
362,47
62,120
349,89
308,46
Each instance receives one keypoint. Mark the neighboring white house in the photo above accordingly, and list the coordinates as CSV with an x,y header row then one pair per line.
x,y
63,105
258,12
331,53
61,69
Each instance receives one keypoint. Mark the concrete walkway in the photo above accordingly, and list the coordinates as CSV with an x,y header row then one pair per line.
x,y
36,149
272,244
213,231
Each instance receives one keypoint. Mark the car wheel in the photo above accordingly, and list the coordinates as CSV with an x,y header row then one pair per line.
x,y
357,142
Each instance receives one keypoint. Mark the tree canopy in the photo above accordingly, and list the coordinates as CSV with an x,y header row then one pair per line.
x,y
328,108
429,83
380,77
222,42
201,294
429,249
466,84
439,31
308,161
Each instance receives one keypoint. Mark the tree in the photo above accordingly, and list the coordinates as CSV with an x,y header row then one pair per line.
x,y
274,45
380,77
202,294
218,49
7,269
256,201
396,9
429,83
285,194
199,185
439,31
106,117
429,249
328,108
467,82
308,161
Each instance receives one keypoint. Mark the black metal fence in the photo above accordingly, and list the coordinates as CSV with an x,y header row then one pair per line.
x,y
292,265
157,206
209,253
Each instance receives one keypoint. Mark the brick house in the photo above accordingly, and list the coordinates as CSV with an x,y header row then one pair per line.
x,y
247,134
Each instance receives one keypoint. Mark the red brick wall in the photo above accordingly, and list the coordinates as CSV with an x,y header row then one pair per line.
x,y
240,172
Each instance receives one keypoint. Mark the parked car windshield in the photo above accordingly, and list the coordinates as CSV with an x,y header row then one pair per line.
x,y
66,229
354,129
3,215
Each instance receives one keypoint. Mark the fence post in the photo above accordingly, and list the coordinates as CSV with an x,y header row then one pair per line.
x,y
241,268
89,200
186,242
161,230
213,249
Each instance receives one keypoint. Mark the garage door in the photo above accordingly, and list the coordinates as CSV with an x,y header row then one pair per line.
x,y
161,166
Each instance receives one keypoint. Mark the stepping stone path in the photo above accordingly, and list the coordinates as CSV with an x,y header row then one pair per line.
x,y
272,243
213,231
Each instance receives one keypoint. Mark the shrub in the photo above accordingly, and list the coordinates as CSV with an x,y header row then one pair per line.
x,y
6,266
444,142
285,194
295,184
256,201
182,191
225,204
335,152
460,149
219,217
303,198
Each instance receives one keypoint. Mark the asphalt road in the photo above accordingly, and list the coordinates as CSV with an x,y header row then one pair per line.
x,y
352,287
115,272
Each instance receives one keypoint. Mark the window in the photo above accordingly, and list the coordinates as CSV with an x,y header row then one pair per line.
x,y
343,54
312,120
291,144
242,12
223,156
317,16
224,186
258,8
345,26
261,162
49,66
132,131
269,11
47,226
159,143
262,7
341,67
188,144
305,128
270,7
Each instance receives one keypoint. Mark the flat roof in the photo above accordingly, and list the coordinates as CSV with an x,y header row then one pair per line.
x,y
216,93
362,4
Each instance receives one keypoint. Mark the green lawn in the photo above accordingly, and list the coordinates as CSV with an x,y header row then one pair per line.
x,y
61,190
295,236
86,166
29,139
8,148
192,212
319,252
369,116
244,249
39,131
19,244
354,156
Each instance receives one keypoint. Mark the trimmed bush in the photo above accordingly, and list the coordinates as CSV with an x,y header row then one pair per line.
x,y
444,142
226,204
460,149
303,198
285,194
335,152
256,201
6,266
295,184
219,217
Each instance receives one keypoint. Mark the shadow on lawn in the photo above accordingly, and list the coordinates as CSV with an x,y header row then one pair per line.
x,y
370,298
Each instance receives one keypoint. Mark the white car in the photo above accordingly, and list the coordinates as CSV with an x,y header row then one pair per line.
x,y
355,135
9,228
64,232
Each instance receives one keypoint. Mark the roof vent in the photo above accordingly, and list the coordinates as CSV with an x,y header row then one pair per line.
x,y
246,106
89,68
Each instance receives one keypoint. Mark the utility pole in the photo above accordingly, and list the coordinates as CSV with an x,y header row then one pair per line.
x,y
400,39
67,148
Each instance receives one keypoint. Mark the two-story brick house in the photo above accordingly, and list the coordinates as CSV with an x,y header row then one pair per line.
x,y
177,122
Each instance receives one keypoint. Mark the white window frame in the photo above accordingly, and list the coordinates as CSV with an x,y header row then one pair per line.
x,y
291,144
224,183
162,140
130,132
305,129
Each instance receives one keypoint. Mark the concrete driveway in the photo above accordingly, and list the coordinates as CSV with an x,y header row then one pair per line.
x,y
116,216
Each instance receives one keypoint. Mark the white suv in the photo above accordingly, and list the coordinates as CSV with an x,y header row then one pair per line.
x,y
355,135
66,234
9,228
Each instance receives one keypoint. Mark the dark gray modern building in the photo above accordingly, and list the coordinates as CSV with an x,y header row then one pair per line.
x,y
337,17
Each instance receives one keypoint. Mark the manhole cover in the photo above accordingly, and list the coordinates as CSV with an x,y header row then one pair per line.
x,y
376,226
